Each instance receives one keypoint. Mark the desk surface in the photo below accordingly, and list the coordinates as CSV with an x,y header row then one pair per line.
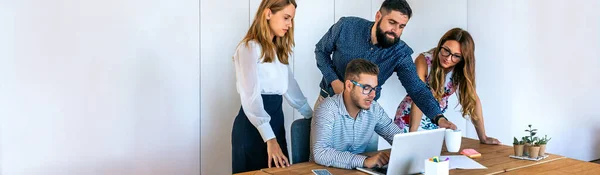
x,y
494,157
562,166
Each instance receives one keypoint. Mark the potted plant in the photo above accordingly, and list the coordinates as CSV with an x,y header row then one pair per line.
x,y
529,140
518,146
534,150
526,145
542,142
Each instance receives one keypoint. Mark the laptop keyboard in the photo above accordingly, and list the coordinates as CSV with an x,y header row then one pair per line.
x,y
380,170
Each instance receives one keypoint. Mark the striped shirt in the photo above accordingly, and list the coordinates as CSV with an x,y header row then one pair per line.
x,y
350,38
337,139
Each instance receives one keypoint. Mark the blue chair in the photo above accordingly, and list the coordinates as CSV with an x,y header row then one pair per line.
x,y
300,140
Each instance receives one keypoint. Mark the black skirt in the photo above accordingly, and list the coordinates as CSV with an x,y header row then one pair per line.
x,y
249,151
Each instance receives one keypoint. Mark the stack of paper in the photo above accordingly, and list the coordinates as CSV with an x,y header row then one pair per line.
x,y
462,162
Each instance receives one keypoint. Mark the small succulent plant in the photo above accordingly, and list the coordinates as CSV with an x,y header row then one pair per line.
x,y
530,139
543,140
517,142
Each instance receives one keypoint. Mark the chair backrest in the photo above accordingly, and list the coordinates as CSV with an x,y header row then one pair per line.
x,y
300,140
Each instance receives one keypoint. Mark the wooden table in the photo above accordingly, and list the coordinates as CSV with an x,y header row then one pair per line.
x,y
494,157
562,166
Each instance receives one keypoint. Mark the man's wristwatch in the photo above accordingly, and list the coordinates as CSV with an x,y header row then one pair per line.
x,y
437,118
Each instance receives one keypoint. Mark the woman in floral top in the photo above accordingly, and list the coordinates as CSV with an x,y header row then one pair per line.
x,y
447,68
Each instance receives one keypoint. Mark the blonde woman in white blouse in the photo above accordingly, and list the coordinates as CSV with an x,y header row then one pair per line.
x,y
263,81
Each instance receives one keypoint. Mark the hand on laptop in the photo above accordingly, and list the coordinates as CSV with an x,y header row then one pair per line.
x,y
378,160
443,123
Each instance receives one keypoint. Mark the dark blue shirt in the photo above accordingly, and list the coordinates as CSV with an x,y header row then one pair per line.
x,y
350,38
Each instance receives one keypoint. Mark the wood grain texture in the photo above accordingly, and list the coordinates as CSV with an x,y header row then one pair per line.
x,y
494,157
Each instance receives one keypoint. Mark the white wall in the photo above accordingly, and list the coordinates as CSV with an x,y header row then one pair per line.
x,y
309,30
7,14
99,87
219,99
538,64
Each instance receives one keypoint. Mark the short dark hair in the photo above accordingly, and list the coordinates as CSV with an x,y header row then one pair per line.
x,y
398,5
360,66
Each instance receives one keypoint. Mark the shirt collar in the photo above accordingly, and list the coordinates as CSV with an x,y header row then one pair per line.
x,y
369,34
342,107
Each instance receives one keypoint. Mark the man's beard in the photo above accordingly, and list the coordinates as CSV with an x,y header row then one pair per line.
x,y
382,39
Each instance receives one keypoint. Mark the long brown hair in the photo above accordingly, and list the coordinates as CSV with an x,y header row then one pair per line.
x,y
464,71
261,33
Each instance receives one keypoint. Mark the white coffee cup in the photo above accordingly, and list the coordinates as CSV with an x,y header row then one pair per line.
x,y
453,139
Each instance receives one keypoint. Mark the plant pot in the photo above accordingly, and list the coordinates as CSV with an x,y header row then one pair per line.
x,y
526,149
542,150
518,150
534,152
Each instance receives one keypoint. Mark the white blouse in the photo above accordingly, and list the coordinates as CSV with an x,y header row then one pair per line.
x,y
253,78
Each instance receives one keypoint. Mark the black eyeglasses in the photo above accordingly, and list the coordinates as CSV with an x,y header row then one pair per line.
x,y
366,88
446,53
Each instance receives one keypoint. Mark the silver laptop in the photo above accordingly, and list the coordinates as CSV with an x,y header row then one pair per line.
x,y
409,150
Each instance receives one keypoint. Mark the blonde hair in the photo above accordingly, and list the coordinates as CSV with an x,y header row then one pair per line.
x,y
464,71
261,33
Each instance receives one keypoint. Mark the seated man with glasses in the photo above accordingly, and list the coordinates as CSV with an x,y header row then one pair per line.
x,y
344,123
